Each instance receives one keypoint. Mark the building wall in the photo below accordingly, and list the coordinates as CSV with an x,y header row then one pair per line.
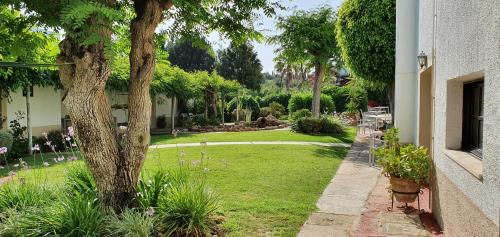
x,y
45,109
406,87
162,106
119,99
467,44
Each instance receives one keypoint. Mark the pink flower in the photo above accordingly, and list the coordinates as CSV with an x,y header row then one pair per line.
x,y
35,148
60,158
72,158
71,132
3,150
150,211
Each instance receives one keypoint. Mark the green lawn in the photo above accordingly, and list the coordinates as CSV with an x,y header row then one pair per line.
x,y
266,135
265,189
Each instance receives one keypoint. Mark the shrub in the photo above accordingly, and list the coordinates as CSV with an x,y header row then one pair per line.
x,y
151,188
186,210
56,139
20,143
301,113
130,224
308,125
339,94
358,98
19,196
81,216
280,98
79,180
406,162
331,125
274,109
31,222
6,140
200,120
304,101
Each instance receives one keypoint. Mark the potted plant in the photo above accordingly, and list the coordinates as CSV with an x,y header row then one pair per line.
x,y
407,166
161,122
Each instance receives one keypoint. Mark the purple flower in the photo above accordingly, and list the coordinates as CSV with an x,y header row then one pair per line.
x,y
206,170
71,132
60,158
45,164
35,148
12,173
48,143
45,135
55,160
3,150
16,165
72,158
68,139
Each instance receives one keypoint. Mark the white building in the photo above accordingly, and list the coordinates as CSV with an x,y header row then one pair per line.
x,y
48,113
452,106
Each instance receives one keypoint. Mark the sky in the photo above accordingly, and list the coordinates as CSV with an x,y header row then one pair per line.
x,y
267,27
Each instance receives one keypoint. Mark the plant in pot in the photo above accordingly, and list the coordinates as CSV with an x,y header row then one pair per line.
x,y
161,122
407,166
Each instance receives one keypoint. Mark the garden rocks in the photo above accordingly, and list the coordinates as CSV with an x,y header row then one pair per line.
x,y
270,124
268,121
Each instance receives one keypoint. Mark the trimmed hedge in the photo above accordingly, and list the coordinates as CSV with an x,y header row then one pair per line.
x,y
339,94
304,101
326,124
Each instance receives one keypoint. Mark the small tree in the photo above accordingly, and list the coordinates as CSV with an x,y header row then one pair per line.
x,y
227,87
309,36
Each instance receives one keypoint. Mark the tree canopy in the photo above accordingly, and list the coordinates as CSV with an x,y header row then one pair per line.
x,y
240,63
366,34
190,56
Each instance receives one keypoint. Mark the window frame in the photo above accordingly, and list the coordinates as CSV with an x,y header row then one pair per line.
x,y
472,117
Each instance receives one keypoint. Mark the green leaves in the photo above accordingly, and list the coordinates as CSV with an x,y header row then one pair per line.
x,y
365,32
307,36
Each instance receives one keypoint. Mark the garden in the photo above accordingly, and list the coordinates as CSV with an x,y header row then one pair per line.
x,y
99,177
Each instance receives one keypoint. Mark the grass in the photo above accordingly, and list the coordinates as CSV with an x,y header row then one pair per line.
x,y
265,190
252,136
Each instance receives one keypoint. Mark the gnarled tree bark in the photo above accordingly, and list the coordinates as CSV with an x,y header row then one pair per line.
x,y
115,165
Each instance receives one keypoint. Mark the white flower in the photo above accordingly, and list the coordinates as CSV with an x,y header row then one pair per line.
x,y
45,164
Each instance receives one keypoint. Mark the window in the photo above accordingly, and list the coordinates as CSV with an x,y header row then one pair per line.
x,y
472,126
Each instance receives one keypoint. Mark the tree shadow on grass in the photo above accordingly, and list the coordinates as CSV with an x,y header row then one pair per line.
x,y
331,152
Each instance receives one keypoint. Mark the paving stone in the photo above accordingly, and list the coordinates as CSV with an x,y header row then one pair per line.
x,y
321,231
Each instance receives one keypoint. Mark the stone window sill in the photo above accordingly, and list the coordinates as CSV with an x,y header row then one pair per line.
x,y
466,161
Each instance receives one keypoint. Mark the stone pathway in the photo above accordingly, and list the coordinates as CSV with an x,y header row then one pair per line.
x,y
341,204
355,204
346,145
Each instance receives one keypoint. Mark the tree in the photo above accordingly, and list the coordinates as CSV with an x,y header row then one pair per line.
x,y
366,34
240,63
227,87
84,69
309,36
190,56
175,83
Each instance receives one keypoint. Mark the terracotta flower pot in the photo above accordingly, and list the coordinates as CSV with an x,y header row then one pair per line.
x,y
400,186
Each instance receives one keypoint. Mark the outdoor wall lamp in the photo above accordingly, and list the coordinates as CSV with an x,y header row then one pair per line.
x,y
422,60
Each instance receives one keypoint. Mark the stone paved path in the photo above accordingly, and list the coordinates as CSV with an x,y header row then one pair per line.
x,y
341,204
355,204
346,145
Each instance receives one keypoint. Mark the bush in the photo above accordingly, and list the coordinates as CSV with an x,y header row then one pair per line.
x,y
301,113
150,189
6,140
130,224
358,98
20,196
339,94
280,98
331,125
304,101
200,120
55,137
79,180
32,222
20,143
326,124
161,122
274,109
186,210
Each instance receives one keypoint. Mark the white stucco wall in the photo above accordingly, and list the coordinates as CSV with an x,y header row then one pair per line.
x,y
406,87
467,45
45,106
119,98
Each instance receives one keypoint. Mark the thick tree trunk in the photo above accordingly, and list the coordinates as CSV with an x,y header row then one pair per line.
x,y
90,112
172,116
319,74
115,165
